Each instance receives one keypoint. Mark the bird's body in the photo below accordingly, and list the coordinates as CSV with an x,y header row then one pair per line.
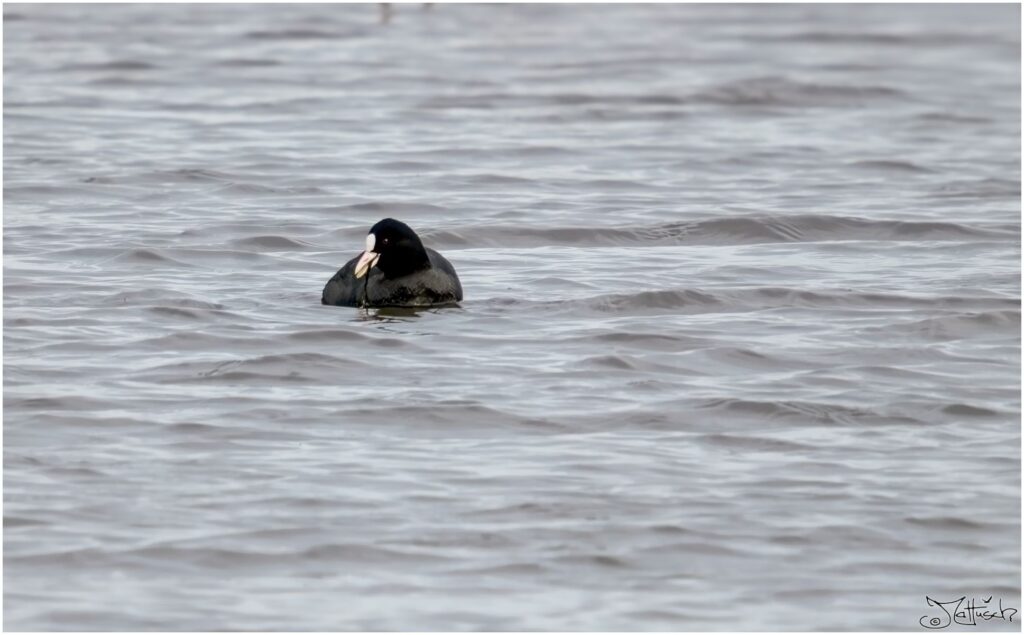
x,y
428,287
395,270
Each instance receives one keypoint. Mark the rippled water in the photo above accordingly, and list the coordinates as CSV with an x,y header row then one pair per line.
x,y
740,346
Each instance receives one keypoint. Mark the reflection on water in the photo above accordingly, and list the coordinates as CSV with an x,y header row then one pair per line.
x,y
398,314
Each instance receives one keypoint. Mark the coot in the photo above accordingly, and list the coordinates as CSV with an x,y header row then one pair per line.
x,y
394,270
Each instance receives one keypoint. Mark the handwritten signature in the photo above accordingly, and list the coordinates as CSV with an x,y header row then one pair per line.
x,y
956,612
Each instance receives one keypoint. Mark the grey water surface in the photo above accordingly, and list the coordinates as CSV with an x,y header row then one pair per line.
x,y
740,347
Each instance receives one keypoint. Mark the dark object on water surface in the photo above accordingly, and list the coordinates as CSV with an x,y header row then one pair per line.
x,y
394,270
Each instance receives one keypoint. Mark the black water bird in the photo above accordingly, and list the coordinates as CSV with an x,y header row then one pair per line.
x,y
395,270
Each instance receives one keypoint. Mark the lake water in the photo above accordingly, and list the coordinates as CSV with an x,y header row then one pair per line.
x,y
740,347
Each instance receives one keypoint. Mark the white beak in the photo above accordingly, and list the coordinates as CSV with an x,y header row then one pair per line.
x,y
368,258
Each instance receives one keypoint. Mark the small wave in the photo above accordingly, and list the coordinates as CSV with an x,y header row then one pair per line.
x,y
224,557
217,256
407,166
117,80
260,188
270,243
907,39
604,62
183,175
801,410
609,115
189,303
617,362
778,91
474,102
967,410
669,299
246,183
828,37
743,358
1000,322
952,117
675,300
146,297
949,523
65,402
327,335
685,300
981,188
115,65
753,443
678,300
651,341
555,282
195,340
337,336
440,417
11,522
247,63
56,323
85,252
245,377
586,102
727,231
602,560
765,297
890,166
289,367
527,570
650,99
175,312
300,34
842,37
147,257
396,208
533,151
492,179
